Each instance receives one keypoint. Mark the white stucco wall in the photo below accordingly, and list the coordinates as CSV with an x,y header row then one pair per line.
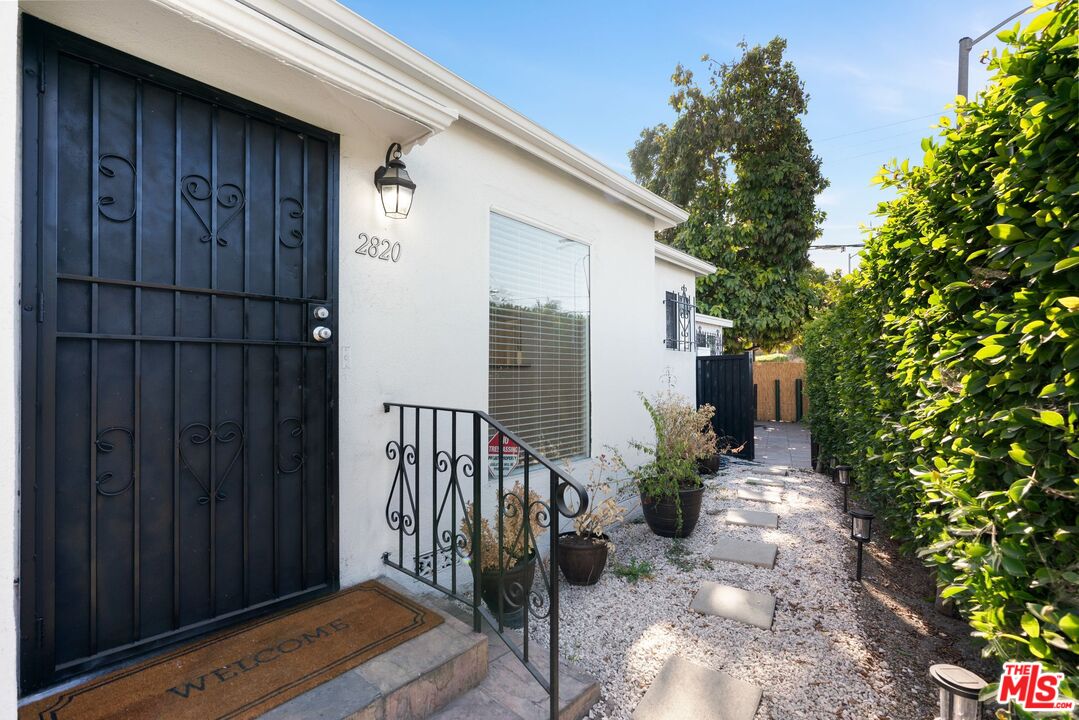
x,y
9,354
414,331
681,363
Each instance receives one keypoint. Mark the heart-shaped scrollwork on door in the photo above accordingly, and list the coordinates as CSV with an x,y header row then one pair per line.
x,y
196,190
226,434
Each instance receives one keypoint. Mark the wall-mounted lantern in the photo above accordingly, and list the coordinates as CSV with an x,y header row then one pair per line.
x,y
861,531
394,185
842,476
959,690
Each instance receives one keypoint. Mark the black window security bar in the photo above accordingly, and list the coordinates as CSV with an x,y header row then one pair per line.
x,y
681,318
437,491
713,340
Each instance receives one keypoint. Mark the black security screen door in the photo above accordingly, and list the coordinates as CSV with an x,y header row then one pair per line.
x,y
179,428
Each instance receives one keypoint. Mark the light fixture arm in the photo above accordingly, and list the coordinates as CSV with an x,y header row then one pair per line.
x,y
966,44
393,152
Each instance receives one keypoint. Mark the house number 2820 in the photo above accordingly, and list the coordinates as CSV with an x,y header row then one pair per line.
x,y
378,249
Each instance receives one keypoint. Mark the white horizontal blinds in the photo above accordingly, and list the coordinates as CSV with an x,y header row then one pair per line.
x,y
539,337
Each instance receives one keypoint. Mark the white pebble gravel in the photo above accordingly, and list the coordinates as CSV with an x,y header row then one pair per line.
x,y
815,662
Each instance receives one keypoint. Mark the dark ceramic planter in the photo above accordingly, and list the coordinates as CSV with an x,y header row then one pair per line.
x,y
710,465
582,559
662,515
514,587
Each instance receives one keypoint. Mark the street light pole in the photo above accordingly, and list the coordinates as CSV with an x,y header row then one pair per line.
x,y
966,44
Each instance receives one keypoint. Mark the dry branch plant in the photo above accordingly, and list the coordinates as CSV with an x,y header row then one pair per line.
x,y
594,522
518,537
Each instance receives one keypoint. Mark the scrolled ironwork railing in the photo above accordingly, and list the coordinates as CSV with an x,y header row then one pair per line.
x,y
436,505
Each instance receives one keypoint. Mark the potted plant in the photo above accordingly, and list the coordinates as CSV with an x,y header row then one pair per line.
x,y
505,585
710,465
582,552
669,484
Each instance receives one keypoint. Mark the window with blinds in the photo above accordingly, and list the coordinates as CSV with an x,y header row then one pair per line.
x,y
539,315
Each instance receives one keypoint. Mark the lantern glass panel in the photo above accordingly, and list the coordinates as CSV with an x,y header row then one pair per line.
x,y
843,475
861,528
389,198
404,200
955,707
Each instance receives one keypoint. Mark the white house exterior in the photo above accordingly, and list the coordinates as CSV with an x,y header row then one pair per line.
x,y
710,334
410,315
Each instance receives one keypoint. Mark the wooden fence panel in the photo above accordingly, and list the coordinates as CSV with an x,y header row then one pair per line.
x,y
777,385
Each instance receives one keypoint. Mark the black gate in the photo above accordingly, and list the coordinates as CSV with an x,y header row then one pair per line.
x,y
179,415
726,383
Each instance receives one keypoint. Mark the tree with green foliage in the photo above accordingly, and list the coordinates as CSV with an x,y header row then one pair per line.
x,y
739,160
947,372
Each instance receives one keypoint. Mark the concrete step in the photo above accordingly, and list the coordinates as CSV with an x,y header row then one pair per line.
x,y
752,518
768,481
746,552
768,496
746,606
509,692
408,682
686,690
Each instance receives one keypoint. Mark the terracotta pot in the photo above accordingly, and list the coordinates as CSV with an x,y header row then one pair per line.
x,y
582,559
662,515
514,586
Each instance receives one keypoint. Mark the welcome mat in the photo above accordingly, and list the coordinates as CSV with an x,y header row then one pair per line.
x,y
245,671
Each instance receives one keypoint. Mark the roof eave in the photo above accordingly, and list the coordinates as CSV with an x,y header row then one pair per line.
x,y
483,110
683,259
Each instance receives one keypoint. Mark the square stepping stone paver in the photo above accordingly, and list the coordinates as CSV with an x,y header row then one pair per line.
x,y
752,518
747,552
770,482
768,496
684,689
752,608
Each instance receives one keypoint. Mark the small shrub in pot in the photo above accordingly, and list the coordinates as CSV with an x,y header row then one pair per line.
x,y
583,551
669,484
507,582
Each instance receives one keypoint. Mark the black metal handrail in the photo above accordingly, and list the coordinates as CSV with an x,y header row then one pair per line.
x,y
436,450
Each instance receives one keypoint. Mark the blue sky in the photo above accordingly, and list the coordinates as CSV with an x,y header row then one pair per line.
x,y
597,73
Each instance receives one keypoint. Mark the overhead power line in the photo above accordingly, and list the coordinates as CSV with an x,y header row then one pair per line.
x,y
881,127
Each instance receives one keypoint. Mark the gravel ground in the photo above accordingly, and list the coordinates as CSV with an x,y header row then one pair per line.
x,y
829,654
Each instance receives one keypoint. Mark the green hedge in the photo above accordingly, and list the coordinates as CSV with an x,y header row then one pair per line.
x,y
947,371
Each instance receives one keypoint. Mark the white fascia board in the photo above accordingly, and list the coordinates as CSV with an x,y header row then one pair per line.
x,y
683,259
479,108
256,25
714,321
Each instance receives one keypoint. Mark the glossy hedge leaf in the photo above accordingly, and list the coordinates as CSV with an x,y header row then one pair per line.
x,y
947,369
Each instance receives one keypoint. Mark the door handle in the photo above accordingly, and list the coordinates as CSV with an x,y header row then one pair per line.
x,y
322,333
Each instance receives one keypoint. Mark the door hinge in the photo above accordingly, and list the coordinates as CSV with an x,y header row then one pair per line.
x,y
40,622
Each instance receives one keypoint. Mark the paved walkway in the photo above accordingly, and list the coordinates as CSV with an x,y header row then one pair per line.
x,y
683,689
780,443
